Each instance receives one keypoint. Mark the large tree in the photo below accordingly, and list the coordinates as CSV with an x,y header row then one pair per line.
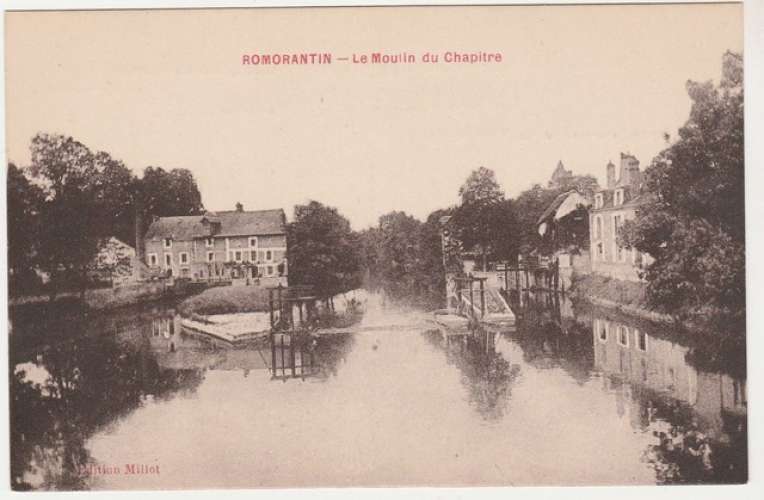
x,y
24,203
481,220
694,225
323,249
168,193
69,219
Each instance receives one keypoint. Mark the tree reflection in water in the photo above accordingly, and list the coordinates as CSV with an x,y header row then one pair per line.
x,y
82,385
486,374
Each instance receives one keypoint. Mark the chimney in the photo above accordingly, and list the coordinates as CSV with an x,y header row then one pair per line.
x,y
610,168
629,174
239,207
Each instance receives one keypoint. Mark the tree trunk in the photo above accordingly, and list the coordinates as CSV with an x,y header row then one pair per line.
x,y
52,287
83,282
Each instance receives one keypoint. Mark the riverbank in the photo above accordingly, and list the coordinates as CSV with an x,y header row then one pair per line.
x,y
241,313
628,297
100,299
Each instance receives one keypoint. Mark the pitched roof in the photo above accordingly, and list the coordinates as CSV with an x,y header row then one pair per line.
x,y
232,223
551,210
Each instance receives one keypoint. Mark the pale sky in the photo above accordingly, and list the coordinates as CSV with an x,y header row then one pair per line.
x,y
167,88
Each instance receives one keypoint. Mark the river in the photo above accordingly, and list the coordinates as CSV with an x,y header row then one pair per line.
x,y
572,396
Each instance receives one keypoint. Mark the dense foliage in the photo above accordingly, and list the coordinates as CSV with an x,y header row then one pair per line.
x,y
323,251
69,198
694,225
402,256
485,222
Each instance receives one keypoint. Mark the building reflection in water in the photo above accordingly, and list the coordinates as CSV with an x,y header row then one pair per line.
x,y
696,417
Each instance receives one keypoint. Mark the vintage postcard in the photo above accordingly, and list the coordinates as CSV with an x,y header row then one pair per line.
x,y
376,246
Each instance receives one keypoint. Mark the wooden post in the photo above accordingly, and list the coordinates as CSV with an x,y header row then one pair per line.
x,y
273,353
472,299
292,358
283,366
270,306
482,299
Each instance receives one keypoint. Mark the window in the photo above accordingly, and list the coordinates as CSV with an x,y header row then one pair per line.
x,y
600,251
237,255
184,257
253,241
153,260
270,270
623,336
209,242
618,197
253,255
168,259
641,340
210,256
268,255
598,200
602,331
618,254
168,242
598,227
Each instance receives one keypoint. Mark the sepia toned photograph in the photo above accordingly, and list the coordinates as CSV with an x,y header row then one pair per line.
x,y
410,246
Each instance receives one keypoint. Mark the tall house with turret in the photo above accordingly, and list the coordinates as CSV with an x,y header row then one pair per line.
x,y
614,205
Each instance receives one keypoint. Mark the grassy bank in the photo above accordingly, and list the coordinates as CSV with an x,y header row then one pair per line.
x,y
226,300
626,296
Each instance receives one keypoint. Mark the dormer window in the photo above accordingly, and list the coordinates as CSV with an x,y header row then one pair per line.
x,y
618,197
168,242
253,241
598,200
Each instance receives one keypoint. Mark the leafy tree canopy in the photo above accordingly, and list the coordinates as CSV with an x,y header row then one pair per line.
x,y
694,225
323,249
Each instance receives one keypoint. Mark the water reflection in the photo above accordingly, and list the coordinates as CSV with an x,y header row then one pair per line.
x,y
99,369
68,390
486,374
538,405
697,417
660,381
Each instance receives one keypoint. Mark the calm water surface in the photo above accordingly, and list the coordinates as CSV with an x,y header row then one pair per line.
x,y
571,397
